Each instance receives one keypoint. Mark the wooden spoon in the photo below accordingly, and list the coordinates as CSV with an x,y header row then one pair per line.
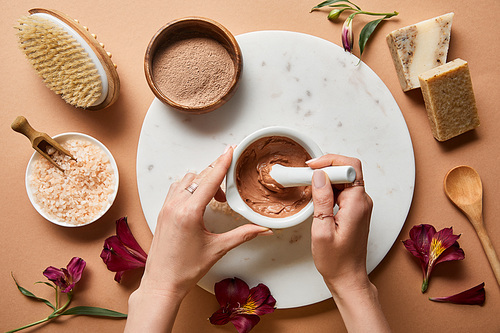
x,y
463,187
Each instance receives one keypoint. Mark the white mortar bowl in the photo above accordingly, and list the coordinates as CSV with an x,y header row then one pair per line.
x,y
233,196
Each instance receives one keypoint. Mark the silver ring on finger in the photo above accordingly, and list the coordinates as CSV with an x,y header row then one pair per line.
x,y
322,216
360,182
191,188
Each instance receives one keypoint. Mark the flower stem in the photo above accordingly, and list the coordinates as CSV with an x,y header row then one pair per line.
x,y
54,314
357,7
425,284
378,14
30,325
57,313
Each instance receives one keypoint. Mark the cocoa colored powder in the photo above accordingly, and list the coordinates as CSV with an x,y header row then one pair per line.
x,y
193,72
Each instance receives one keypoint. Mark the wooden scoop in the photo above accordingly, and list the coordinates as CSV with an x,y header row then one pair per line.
x,y
463,187
40,141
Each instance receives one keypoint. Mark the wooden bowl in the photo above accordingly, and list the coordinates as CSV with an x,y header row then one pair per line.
x,y
191,27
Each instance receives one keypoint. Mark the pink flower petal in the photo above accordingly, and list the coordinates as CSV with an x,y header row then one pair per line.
x,y
233,292
68,288
117,249
422,237
422,234
121,252
57,276
244,323
264,302
454,252
75,268
118,276
220,317
116,263
446,237
420,242
473,296
125,235
422,257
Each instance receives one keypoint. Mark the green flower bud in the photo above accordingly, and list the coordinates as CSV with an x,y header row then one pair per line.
x,y
334,14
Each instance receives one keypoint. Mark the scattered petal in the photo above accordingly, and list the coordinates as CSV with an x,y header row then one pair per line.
x,y
473,296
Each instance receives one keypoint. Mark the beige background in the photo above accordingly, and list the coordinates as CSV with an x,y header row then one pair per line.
x,y
29,244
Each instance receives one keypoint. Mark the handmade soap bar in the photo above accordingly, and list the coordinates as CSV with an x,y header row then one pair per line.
x,y
449,99
419,47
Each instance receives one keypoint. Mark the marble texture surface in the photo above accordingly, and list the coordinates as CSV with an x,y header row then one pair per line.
x,y
309,84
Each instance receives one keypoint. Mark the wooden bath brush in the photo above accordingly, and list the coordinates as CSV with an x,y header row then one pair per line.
x,y
69,59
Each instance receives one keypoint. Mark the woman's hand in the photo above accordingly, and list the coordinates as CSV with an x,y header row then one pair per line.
x,y
183,250
339,245
339,242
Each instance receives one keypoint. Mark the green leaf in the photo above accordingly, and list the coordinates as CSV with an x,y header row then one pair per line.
x,y
340,6
331,3
93,311
326,3
28,293
48,284
366,32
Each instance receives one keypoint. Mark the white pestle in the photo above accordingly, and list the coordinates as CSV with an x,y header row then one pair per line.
x,y
293,176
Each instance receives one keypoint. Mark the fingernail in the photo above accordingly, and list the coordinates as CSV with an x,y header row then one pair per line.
x,y
266,232
319,178
311,160
227,149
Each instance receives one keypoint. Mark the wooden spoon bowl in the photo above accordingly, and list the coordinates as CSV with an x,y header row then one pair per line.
x,y
463,187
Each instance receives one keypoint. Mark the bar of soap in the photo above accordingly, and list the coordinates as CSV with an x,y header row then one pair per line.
x,y
449,99
419,47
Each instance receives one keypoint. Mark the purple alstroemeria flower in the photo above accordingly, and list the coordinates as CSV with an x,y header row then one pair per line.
x,y
432,248
121,252
473,296
66,278
241,305
347,34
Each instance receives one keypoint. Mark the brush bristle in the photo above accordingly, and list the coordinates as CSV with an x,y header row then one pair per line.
x,y
60,61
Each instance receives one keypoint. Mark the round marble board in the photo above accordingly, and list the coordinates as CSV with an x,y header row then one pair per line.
x,y
311,85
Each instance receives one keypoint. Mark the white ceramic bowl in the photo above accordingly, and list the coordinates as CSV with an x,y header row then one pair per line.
x,y
62,138
233,196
